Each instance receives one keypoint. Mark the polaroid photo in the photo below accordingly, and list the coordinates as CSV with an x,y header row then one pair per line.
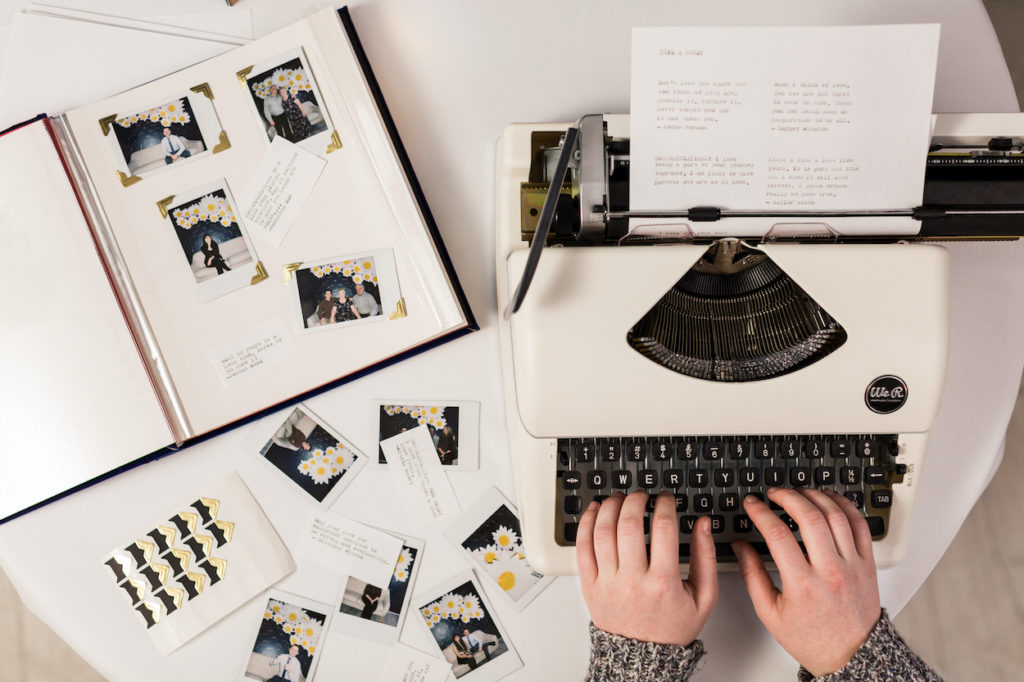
x,y
466,630
346,291
217,253
454,428
178,129
286,644
489,534
313,456
287,103
374,612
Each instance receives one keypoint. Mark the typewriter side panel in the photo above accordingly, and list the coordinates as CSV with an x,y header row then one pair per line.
x,y
533,459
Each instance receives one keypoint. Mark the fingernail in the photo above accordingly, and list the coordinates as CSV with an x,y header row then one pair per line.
x,y
594,504
773,489
750,499
706,527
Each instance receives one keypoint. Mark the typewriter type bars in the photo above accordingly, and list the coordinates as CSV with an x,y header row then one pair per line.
x,y
736,316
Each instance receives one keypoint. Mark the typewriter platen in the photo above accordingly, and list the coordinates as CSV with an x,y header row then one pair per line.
x,y
716,367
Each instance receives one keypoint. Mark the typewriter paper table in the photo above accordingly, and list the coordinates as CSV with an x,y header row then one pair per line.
x,y
454,74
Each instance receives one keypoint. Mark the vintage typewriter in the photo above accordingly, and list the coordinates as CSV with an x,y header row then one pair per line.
x,y
713,368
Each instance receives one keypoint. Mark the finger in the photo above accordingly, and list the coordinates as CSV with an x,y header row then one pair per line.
x,y
763,593
858,526
782,544
838,522
665,536
631,543
586,561
605,545
814,528
703,575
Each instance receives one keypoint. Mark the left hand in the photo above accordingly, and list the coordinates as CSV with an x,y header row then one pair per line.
x,y
629,596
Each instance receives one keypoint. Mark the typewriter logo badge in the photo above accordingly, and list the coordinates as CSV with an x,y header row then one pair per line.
x,y
886,394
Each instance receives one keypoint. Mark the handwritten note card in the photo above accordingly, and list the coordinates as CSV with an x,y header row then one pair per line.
x,y
350,547
406,664
279,188
254,350
784,119
421,482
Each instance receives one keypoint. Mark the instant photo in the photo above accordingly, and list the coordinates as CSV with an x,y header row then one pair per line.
x,y
454,428
314,458
490,536
467,632
179,129
376,613
207,226
344,292
287,103
288,639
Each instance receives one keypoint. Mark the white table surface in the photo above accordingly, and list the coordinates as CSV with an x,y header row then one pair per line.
x,y
454,73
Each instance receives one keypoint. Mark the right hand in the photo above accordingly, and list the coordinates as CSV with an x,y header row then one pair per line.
x,y
829,600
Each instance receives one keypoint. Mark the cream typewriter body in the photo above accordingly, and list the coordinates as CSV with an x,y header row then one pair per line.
x,y
605,389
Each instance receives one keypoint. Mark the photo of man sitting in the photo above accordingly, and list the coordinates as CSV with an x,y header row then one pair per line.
x,y
174,147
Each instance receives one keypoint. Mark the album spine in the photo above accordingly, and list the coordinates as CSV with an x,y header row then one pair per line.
x,y
120,281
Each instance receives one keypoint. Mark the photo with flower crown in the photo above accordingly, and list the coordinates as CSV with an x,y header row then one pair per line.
x,y
489,535
207,226
156,137
288,640
376,612
344,292
454,428
467,632
287,102
308,453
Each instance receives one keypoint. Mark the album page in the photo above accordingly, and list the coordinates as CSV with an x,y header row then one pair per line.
x,y
254,301
781,119
74,380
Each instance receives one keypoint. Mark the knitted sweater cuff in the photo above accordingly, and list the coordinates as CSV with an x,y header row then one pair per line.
x,y
614,658
884,656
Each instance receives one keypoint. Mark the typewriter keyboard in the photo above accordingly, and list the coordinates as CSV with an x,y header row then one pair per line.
x,y
710,476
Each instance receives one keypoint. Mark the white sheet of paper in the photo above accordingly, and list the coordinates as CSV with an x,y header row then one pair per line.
x,y
279,188
411,665
52,72
252,351
422,485
350,547
781,119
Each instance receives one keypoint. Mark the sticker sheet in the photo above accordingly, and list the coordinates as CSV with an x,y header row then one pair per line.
x,y
198,562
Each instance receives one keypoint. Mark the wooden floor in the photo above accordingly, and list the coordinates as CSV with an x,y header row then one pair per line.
x,y
967,620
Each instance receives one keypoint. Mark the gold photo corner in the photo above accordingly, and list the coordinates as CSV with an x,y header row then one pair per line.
x,y
335,144
203,89
127,180
288,269
105,123
399,311
222,144
261,274
244,73
163,204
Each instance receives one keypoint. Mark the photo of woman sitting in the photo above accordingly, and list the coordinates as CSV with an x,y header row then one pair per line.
x,y
211,255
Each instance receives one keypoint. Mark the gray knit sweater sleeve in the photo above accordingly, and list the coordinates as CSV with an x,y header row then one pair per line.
x,y
884,657
614,658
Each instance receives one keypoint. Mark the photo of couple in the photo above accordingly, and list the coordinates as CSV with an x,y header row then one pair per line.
x,y
287,100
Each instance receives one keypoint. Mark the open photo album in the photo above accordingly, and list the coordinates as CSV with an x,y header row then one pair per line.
x,y
200,249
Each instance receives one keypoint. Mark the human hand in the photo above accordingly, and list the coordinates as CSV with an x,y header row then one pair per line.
x,y
829,600
631,597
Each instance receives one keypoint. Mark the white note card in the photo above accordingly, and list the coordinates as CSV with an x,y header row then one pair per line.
x,y
422,485
406,664
782,119
279,188
252,351
348,546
